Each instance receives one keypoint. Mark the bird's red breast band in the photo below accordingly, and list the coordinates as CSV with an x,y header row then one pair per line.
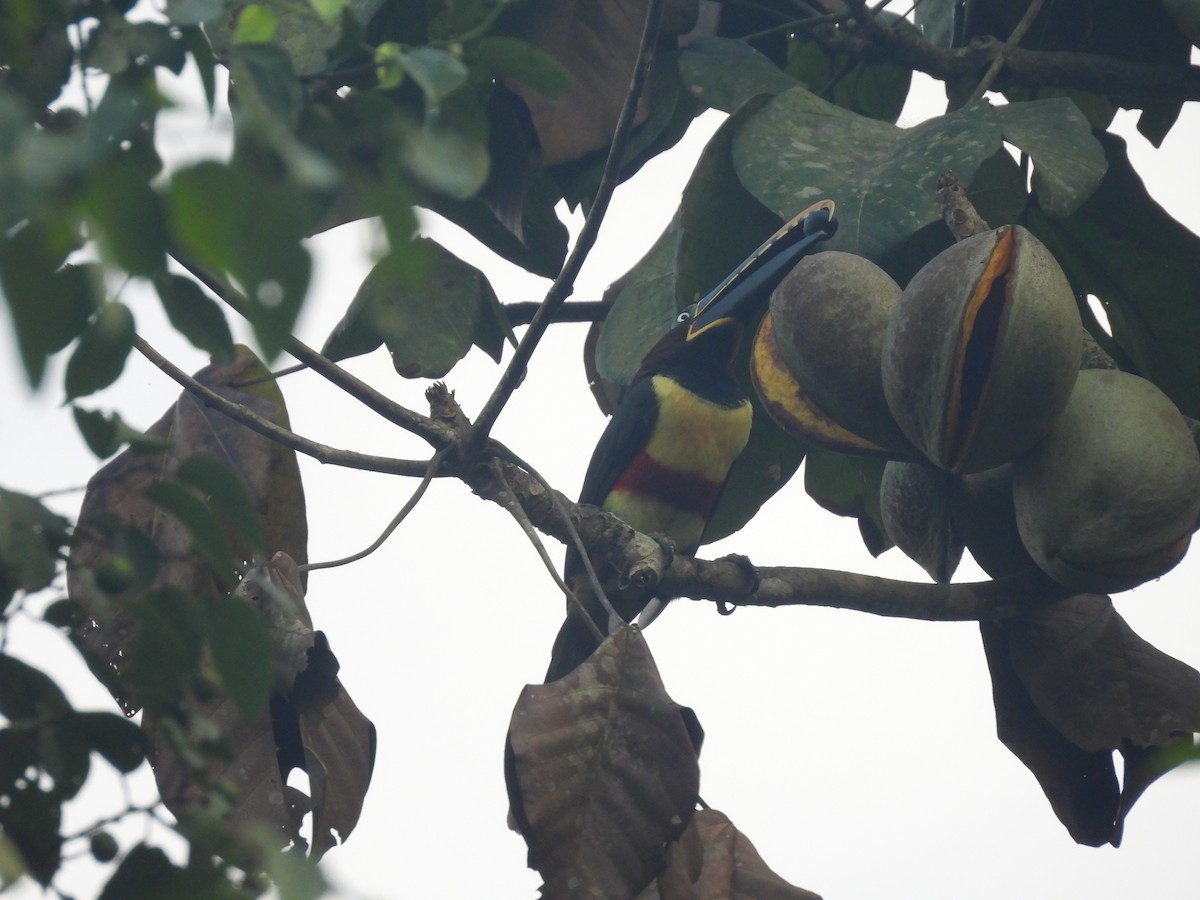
x,y
686,491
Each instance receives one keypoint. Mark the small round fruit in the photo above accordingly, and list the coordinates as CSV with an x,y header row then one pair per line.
x,y
1111,497
830,315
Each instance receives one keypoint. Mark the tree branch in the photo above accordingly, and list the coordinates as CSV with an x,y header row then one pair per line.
x,y
962,68
564,284
522,313
384,406
322,453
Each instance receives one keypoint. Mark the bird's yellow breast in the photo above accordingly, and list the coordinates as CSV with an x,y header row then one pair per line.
x,y
695,435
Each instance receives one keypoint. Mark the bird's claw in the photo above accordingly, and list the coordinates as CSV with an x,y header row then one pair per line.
x,y
668,548
743,563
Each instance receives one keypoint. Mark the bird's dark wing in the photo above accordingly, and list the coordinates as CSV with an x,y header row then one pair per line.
x,y
628,432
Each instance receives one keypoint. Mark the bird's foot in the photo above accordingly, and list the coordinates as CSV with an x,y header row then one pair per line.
x,y
668,548
743,563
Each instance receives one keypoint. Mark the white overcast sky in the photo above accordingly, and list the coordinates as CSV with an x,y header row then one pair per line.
x,y
857,753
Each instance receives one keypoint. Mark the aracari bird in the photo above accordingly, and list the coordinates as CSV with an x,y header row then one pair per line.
x,y
662,461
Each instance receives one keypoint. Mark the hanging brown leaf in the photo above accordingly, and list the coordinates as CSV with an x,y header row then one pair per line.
x,y
116,501
311,724
1081,786
602,771
596,44
713,859
1073,683
1097,681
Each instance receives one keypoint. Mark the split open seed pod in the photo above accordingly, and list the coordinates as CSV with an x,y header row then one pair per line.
x,y
1111,497
982,351
789,405
830,315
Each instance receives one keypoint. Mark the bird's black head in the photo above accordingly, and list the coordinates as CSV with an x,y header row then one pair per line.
x,y
740,297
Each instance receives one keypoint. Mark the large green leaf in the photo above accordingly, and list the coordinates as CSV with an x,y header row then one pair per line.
x,y
849,486
299,28
724,73
642,310
1124,248
31,538
248,221
870,87
1069,161
798,149
427,321
99,357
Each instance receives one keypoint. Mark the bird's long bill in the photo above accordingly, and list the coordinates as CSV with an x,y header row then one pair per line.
x,y
739,295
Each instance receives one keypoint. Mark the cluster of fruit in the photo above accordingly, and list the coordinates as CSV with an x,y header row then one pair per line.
x,y
969,381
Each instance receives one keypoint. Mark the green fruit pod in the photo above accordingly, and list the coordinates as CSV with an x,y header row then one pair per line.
x,y
830,315
1110,498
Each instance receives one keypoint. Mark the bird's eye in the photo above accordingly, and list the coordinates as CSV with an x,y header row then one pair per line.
x,y
684,316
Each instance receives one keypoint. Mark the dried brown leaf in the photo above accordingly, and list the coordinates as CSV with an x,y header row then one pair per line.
x,y
712,859
114,494
1080,785
602,772
597,45
312,725
1098,682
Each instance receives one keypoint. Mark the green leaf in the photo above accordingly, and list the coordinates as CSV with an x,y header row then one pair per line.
x,y
329,10
255,25
241,653
935,18
207,535
201,50
1125,249
849,486
724,73
114,737
28,693
521,62
49,305
643,309
799,149
99,357
105,435
127,216
31,538
196,316
224,490
428,324
446,159
874,88
194,12
249,222
164,655
439,73
770,459
1068,160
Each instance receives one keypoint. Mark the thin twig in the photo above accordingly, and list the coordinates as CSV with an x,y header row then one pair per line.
x,y
268,429
408,507
517,511
1031,13
384,406
564,284
574,539
522,312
